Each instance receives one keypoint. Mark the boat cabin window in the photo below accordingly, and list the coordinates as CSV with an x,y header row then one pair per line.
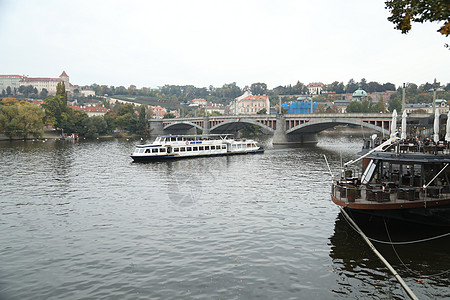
x,y
141,150
182,149
155,150
189,148
195,149
213,147
162,150
176,149
224,146
147,151
201,148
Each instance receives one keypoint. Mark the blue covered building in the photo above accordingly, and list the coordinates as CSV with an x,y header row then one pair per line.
x,y
299,107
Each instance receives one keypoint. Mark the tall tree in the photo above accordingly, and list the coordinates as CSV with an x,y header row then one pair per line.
x,y
258,88
56,108
21,120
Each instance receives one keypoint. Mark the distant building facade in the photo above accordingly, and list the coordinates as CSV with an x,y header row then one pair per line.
x,y
92,110
40,83
49,84
315,88
13,81
215,108
248,104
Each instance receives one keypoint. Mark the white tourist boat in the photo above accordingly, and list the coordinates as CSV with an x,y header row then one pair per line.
x,y
183,146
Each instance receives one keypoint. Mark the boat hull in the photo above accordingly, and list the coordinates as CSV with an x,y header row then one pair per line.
x,y
150,158
434,213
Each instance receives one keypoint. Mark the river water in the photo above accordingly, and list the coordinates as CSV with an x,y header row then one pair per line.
x,y
79,220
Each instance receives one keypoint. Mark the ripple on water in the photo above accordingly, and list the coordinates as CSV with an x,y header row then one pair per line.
x,y
81,221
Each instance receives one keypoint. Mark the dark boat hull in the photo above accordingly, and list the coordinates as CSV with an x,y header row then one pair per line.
x,y
137,158
432,216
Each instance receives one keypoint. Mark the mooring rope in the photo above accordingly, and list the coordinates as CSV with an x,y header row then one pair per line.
x,y
410,270
403,243
383,260
406,242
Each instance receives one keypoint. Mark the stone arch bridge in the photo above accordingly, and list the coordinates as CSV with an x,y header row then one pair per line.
x,y
286,129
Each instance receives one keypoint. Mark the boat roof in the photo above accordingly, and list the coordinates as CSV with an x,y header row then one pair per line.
x,y
196,135
412,158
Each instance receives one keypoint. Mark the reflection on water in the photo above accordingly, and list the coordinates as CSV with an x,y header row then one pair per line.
x,y
424,266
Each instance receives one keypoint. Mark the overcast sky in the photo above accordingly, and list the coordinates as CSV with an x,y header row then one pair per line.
x,y
207,42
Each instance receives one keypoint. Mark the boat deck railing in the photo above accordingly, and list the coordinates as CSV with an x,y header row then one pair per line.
x,y
412,147
350,190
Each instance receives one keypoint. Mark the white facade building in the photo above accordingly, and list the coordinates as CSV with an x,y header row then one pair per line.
x,y
13,81
248,104
47,83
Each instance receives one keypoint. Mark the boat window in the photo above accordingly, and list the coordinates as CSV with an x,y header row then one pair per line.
x,y
195,149
206,147
213,147
189,148
147,151
249,145
162,150
141,150
224,146
155,150
201,148
176,149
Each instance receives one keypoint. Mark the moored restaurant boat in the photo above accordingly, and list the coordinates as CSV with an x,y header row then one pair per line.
x,y
403,179
184,146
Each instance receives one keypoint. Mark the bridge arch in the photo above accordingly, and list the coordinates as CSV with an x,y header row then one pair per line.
x,y
182,125
236,125
316,126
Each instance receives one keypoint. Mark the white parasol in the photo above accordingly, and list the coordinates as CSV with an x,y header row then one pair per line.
x,y
436,126
404,115
394,123
447,128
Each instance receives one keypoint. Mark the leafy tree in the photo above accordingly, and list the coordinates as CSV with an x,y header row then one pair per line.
x,y
351,86
21,120
380,106
354,107
262,112
94,126
9,101
395,103
388,86
258,88
125,109
56,109
127,122
142,120
403,12
169,116
44,93
8,90
363,84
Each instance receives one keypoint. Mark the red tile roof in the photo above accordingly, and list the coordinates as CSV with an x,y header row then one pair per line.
x,y
40,79
9,76
252,97
315,84
91,109
63,74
